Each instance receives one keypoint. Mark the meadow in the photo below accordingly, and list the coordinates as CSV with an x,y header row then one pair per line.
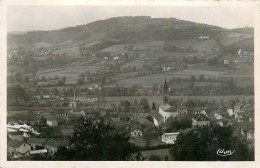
x,y
150,80
70,73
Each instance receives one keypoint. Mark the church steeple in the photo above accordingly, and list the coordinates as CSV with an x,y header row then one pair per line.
x,y
165,85
165,92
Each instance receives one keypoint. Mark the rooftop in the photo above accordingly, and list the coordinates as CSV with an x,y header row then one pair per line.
x,y
173,133
37,141
201,117
167,108
15,144
158,117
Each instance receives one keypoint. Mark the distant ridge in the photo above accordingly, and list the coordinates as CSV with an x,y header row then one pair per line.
x,y
127,29
124,29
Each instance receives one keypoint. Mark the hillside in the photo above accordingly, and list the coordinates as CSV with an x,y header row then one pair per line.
x,y
123,29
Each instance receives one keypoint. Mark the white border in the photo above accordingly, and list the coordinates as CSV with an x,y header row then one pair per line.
x,y
116,164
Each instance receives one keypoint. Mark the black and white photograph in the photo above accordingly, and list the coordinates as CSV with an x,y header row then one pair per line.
x,y
130,83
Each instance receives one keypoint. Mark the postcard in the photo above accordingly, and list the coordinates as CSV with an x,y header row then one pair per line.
x,y
129,83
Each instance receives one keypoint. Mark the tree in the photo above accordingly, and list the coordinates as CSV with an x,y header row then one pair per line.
x,y
201,77
150,118
144,103
125,105
93,140
154,106
154,158
203,144
80,81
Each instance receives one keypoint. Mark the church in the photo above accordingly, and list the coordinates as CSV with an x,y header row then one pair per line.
x,y
167,111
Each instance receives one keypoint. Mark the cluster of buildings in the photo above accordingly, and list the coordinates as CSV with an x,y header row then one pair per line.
x,y
242,114
24,141
33,146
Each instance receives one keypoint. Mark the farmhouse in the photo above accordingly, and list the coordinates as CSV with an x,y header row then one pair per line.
x,y
170,138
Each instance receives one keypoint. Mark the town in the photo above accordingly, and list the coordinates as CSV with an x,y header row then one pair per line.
x,y
160,93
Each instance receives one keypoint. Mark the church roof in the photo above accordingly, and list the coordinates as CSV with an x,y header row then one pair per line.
x,y
167,108
158,117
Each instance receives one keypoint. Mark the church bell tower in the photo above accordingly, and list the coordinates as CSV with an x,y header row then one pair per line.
x,y
165,92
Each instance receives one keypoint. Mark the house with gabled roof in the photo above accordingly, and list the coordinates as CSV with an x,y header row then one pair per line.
x,y
170,138
52,145
16,136
200,119
136,131
17,148
158,119
36,142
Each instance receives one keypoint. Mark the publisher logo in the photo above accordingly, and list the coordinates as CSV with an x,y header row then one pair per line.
x,y
223,152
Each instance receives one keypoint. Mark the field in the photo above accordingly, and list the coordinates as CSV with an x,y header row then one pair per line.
x,y
209,46
142,46
145,81
231,38
68,51
137,63
70,73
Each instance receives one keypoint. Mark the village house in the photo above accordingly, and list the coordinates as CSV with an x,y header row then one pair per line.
x,y
170,138
182,111
52,145
230,111
17,148
136,131
158,120
16,136
37,152
51,122
200,119
36,143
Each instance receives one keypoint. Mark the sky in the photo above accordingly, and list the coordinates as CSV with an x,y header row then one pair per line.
x,y
31,18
